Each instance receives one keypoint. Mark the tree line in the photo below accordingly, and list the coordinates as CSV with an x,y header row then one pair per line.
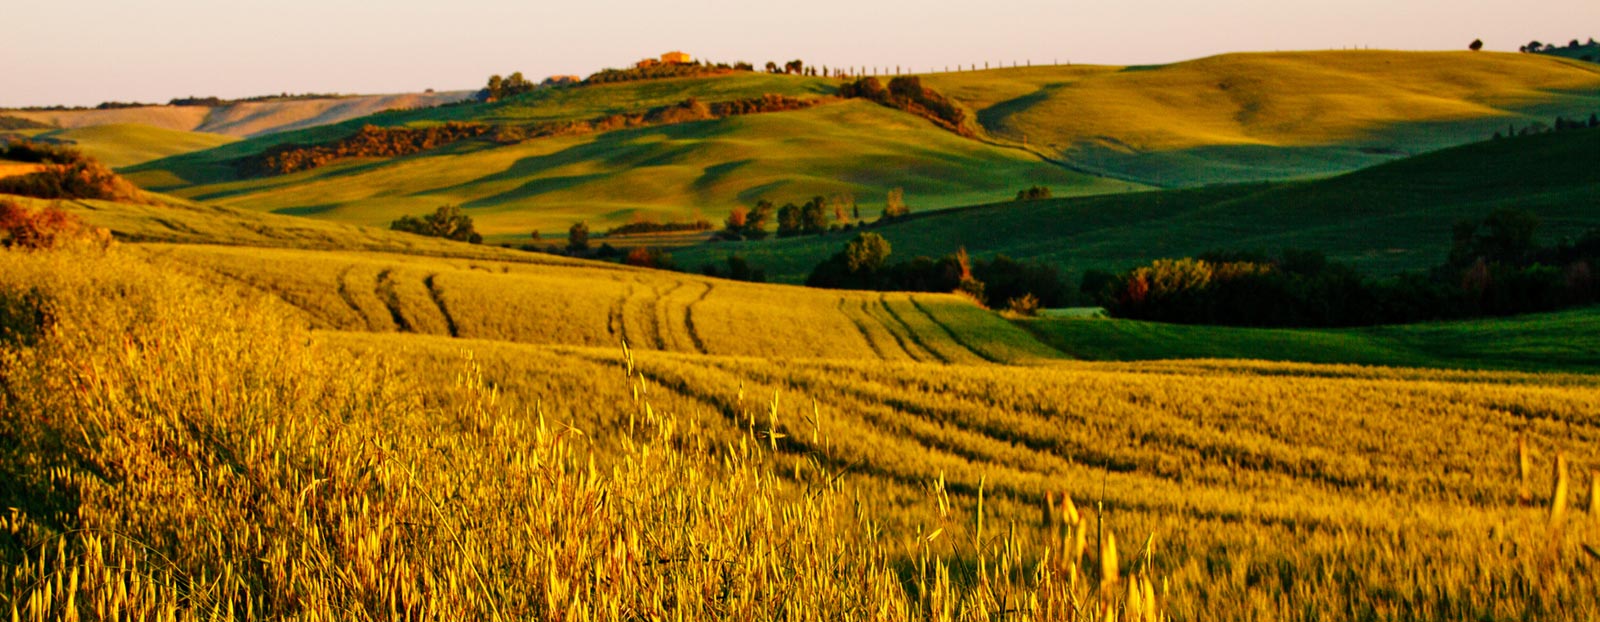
x,y
375,141
500,88
649,226
1494,268
907,93
661,72
1589,51
837,212
370,141
1561,124
998,283
212,101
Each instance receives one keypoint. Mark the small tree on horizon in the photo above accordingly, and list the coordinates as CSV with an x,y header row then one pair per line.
x,y
895,204
789,220
1477,44
814,216
578,237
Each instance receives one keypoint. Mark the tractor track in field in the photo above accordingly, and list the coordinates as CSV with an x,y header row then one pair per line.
x,y
688,320
614,322
349,299
883,300
953,336
391,299
862,328
438,300
658,309
646,335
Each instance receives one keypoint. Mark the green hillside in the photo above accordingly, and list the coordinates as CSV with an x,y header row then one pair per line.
x,y
1269,116
1388,218
124,145
1564,341
691,170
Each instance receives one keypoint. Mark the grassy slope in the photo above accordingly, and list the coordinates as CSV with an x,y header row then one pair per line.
x,y
1262,116
1564,341
670,172
125,145
1391,217
344,277
180,222
603,305
352,278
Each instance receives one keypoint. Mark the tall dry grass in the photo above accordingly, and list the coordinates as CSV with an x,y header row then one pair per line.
x,y
176,451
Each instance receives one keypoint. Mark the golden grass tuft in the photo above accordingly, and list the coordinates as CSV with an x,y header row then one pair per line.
x,y
1524,471
1558,492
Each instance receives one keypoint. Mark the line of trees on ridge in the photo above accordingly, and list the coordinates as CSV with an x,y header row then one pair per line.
x,y
1494,268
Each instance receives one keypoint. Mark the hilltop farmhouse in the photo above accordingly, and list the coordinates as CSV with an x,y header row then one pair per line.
x,y
670,58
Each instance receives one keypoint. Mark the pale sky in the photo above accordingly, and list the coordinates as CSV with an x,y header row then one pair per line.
x,y
87,51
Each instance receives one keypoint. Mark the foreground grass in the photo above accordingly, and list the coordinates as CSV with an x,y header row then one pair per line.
x,y
181,448
1554,342
175,453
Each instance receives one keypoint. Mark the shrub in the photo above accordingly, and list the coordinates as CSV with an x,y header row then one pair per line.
x,y
81,179
447,222
908,94
894,205
50,227
1025,306
649,258
41,153
1033,193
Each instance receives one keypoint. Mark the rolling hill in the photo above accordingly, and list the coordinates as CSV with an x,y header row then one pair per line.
x,y
123,145
1269,116
676,172
1388,218
1241,117
243,119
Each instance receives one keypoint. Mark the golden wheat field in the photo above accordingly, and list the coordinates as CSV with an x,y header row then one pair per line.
x,y
213,432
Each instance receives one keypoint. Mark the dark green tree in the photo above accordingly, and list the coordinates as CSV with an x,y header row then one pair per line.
x,y
789,220
867,252
755,226
448,221
814,216
578,237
